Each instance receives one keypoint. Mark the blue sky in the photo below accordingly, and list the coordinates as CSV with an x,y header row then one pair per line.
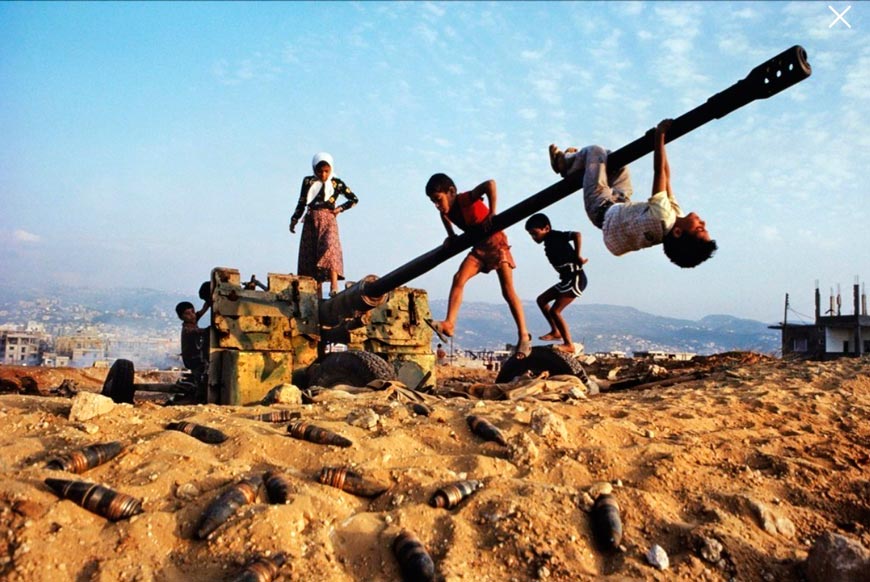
x,y
144,144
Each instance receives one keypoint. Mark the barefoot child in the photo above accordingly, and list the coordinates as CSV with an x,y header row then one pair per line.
x,y
563,251
467,210
629,226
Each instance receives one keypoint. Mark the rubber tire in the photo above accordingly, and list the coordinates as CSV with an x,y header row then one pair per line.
x,y
119,382
541,359
354,368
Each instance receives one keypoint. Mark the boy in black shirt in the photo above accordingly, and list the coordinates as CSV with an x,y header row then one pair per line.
x,y
568,262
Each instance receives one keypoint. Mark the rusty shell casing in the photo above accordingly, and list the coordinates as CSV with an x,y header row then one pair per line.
x,y
606,524
87,458
485,430
262,569
205,434
278,416
449,496
420,409
415,562
350,481
315,434
226,504
97,498
277,487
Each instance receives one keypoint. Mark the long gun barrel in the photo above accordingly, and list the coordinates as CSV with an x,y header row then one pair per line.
x,y
769,78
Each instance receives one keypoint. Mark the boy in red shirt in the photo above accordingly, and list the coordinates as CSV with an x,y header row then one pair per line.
x,y
466,210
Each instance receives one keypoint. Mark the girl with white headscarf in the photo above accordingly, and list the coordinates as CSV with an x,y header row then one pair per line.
x,y
320,253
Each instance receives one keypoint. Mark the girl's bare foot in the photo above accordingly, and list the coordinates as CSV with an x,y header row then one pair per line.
x,y
567,348
551,337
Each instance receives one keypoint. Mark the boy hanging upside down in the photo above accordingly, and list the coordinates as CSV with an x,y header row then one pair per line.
x,y
630,226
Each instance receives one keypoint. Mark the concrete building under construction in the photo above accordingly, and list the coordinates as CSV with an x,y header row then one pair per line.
x,y
833,334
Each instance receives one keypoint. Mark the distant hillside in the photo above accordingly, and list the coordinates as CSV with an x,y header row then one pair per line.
x,y
481,325
612,327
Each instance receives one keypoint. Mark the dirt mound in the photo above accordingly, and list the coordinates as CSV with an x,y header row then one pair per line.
x,y
734,474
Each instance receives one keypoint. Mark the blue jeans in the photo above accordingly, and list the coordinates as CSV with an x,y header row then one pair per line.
x,y
602,188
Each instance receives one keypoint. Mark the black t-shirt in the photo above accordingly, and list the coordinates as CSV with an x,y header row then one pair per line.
x,y
558,248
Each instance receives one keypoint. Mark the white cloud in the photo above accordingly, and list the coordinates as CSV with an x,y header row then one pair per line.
x,y
857,83
528,114
24,236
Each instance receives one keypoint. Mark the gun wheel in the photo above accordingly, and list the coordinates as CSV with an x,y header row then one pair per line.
x,y
119,382
354,368
542,359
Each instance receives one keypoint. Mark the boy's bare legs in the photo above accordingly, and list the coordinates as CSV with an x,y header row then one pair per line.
x,y
506,281
468,269
543,301
553,314
333,281
562,301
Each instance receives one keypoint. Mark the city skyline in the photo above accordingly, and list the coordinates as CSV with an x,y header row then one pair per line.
x,y
145,143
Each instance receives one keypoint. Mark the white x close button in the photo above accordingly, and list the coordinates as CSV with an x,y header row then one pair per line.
x,y
840,16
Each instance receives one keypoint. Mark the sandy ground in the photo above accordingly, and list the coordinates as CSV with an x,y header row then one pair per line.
x,y
734,475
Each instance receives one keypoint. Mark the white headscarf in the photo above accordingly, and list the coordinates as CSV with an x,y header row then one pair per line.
x,y
316,186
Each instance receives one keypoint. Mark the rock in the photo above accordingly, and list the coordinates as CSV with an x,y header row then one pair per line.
x,y
658,557
600,488
710,549
87,405
545,423
88,427
522,450
770,522
836,558
187,491
283,394
363,418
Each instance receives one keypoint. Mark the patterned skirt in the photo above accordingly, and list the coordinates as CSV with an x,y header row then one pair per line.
x,y
319,246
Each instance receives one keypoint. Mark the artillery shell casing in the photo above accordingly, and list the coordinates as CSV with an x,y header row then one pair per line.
x,y
415,562
449,496
485,430
350,481
263,569
277,487
315,434
420,409
206,434
278,416
97,498
87,458
226,504
606,524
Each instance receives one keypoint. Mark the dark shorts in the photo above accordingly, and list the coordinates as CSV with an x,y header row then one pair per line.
x,y
573,282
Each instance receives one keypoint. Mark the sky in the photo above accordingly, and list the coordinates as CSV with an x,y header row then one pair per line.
x,y
143,144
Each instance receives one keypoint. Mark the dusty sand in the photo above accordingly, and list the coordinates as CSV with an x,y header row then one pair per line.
x,y
694,468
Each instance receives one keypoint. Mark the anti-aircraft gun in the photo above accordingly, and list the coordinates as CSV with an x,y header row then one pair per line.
x,y
264,338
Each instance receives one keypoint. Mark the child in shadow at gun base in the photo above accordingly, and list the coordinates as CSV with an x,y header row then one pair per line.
x,y
194,345
468,210
630,226
562,249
